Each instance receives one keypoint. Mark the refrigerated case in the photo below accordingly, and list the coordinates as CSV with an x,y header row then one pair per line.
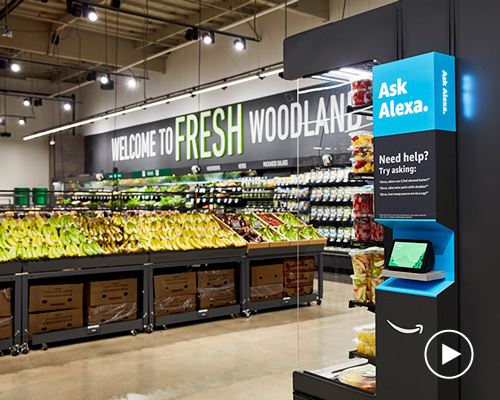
x,y
368,42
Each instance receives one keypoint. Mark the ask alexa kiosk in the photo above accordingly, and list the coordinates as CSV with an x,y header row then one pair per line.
x,y
415,139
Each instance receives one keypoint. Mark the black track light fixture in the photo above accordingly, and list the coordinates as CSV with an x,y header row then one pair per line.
x,y
191,34
240,44
37,102
208,38
116,3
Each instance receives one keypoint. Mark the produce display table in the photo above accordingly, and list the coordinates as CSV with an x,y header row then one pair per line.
x,y
147,265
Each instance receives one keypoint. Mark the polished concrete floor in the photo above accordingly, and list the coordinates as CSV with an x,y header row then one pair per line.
x,y
237,359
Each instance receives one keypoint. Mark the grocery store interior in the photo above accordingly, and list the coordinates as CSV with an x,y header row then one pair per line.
x,y
198,199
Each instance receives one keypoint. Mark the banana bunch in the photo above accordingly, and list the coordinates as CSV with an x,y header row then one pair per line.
x,y
118,221
90,248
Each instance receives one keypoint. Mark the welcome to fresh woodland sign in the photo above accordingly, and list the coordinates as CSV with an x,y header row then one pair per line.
x,y
263,131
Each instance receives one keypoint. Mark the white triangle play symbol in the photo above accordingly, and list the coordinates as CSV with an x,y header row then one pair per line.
x,y
448,354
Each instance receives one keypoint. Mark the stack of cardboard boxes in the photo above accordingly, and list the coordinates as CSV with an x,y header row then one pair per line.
x,y
216,288
175,293
266,282
55,307
5,313
111,301
298,276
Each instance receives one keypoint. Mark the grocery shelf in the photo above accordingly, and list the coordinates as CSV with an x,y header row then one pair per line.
x,y
355,354
195,255
369,306
11,267
13,343
361,177
86,331
284,302
174,319
310,386
141,272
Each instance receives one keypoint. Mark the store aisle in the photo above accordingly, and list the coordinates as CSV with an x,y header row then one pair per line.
x,y
226,359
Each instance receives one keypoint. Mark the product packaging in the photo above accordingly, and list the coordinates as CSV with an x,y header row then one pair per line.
x,y
363,377
216,297
362,228
107,313
5,302
366,349
112,292
266,292
377,231
219,278
175,284
362,262
361,289
174,304
365,333
362,204
5,327
55,297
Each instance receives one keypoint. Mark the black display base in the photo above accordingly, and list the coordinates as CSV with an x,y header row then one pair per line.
x,y
85,332
193,255
86,262
11,267
309,386
284,302
6,344
199,315
370,306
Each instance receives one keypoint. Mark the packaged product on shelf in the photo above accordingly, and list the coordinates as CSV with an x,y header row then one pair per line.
x,y
333,232
333,193
326,214
340,194
108,313
366,349
266,274
347,213
362,92
361,290
5,302
333,175
220,278
339,214
374,282
362,166
377,231
55,321
362,153
364,377
362,229
366,333
378,262
174,304
216,297
301,278
5,327
175,284
340,175
362,262
112,292
361,139
326,194
266,292
301,291
362,203
55,297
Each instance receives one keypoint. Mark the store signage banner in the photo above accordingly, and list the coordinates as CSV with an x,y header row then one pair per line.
x,y
405,176
415,94
261,133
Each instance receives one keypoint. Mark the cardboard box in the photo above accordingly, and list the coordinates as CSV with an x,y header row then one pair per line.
x,y
175,304
5,302
175,284
112,292
5,327
305,264
302,278
213,298
55,321
219,278
55,297
266,292
266,274
97,315
302,290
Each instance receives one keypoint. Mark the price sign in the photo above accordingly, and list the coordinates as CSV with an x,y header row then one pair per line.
x,y
257,224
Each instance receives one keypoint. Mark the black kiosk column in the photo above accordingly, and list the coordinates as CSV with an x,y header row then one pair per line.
x,y
415,195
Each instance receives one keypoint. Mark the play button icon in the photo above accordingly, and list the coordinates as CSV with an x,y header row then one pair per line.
x,y
448,354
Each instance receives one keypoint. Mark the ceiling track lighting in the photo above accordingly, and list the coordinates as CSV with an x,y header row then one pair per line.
x,y
67,106
82,10
275,69
240,44
132,83
22,121
15,67
5,134
52,140
37,102
116,3
191,34
27,102
208,38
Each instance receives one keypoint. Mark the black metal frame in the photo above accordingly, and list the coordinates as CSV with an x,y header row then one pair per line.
x,y
13,343
83,332
167,320
248,306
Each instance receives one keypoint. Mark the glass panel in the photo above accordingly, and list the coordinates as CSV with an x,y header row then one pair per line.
x,y
334,191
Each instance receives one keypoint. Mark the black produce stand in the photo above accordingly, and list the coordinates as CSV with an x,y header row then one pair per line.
x,y
13,344
142,322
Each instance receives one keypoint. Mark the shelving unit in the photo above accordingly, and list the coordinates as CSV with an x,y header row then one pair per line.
x,y
13,344
355,354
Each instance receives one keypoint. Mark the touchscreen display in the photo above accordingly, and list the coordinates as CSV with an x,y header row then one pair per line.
x,y
408,255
